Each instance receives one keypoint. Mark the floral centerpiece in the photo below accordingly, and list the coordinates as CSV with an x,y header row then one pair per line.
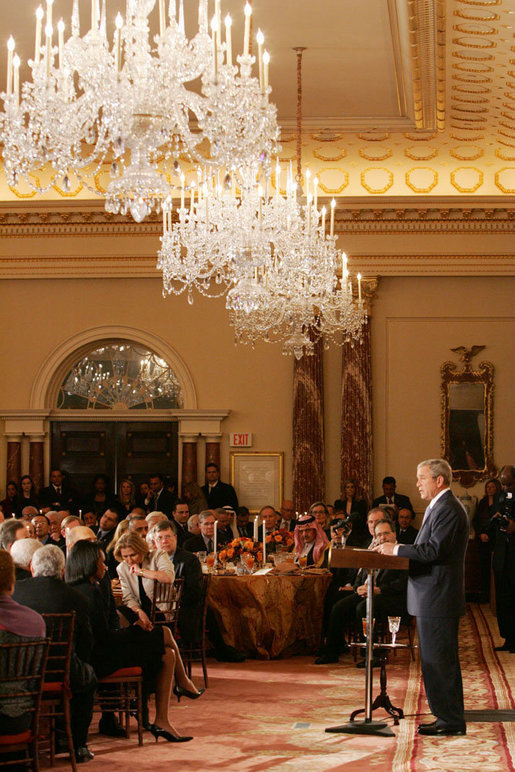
x,y
239,548
279,541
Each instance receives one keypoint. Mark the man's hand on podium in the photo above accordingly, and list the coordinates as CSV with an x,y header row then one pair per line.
x,y
385,549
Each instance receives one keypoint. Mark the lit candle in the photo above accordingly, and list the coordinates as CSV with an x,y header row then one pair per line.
x,y
39,19
266,61
228,39
162,18
183,179
256,528
181,17
260,40
94,22
16,65
118,40
202,15
80,513
214,28
10,49
345,276
323,220
246,38
359,287
264,544
333,205
49,4
344,265
60,30
218,14
215,538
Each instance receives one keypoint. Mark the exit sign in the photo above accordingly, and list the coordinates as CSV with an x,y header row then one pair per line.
x,y
239,440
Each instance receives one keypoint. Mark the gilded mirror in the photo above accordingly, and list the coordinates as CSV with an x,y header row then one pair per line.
x,y
467,417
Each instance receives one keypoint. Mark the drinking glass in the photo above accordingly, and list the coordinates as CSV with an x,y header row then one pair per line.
x,y
393,625
248,562
303,561
364,625
202,556
210,560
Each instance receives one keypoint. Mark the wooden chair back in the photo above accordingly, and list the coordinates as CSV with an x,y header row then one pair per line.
x,y
166,602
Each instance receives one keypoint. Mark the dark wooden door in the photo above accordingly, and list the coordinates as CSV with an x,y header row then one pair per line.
x,y
135,450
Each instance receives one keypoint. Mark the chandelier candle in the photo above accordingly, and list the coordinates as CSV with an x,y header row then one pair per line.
x,y
246,37
228,39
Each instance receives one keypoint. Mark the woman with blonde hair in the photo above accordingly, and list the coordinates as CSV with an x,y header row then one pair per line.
x,y
197,502
127,495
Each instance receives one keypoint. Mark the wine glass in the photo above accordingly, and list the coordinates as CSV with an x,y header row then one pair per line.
x,y
303,561
364,625
210,561
248,562
393,625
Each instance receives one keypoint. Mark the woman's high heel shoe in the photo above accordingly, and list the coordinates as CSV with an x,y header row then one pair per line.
x,y
157,732
180,691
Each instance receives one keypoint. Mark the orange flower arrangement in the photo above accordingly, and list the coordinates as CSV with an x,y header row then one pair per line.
x,y
237,548
280,538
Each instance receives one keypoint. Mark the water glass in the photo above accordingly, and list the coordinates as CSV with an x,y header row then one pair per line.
x,y
393,625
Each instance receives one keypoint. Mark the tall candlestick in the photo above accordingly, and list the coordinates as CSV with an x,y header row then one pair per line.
x,y
255,528
266,62
246,37
16,66
10,49
264,544
162,18
218,14
228,39
359,287
324,211
333,205
37,47
260,40
202,15
181,17
94,22
49,4
60,30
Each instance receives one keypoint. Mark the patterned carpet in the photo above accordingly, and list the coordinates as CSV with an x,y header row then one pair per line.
x,y
271,715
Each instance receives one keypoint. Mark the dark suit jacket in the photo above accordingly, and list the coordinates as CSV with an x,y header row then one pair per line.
x,y
408,536
247,531
400,501
49,497
182,533
48,595
436,585
195,544
106,539
221,495
187,567
164,503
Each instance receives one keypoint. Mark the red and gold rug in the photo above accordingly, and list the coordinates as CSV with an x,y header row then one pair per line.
x,y
271,715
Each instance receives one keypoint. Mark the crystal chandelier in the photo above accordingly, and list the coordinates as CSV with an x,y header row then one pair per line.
x,y
130,102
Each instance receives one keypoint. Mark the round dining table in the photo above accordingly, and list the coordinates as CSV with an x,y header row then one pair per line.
x,y
270,615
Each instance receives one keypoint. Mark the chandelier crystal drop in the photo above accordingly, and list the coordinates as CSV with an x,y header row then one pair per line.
x,y
128,100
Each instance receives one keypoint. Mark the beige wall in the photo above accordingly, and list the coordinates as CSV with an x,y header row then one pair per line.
x,y
414,324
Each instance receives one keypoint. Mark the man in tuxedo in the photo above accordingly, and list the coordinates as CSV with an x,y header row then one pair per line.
x,y
406,533
181,515
391,497
389,597
57,495
217,493
187,567
107,527
436,594
161,500
47,593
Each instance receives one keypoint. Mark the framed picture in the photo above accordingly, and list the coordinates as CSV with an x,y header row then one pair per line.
x,y
258,478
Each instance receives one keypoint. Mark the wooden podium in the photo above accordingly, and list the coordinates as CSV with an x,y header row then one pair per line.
x,y
352,557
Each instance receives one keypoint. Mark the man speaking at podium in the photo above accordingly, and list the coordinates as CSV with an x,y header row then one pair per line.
x,y
436,594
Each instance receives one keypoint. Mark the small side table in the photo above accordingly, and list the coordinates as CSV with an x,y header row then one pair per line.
x,y
382,700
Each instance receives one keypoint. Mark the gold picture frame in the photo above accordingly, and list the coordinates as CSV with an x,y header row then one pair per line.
x,y
257,477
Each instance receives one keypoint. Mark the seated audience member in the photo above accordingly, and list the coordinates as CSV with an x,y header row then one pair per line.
x,y
390,599
126,496
288,518
90,519
80,533
311,541
155,517
54,519
27,514
218,493
107,527
406,533
22,552
143,495
72,521
10,531
193,526
390,511
181,514
160,500
245,528
27,496
192,493
138,524
46,592
187,567
204,541
8,504
152,649
319,511
57,495
17,624
390,496
267,516
42,528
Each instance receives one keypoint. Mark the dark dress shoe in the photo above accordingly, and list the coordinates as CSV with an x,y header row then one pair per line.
x,y
83,754
111,727
434,729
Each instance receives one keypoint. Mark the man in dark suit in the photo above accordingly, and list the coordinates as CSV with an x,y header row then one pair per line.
x,y
406,533
181,515
107,527
187,567
389,597
42,528
436,594
161,500
501,532
391,497
217,493
47,593
204,542
245,527
57,495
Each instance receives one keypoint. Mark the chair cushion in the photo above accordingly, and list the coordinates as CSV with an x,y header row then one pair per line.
x,y
16,739
124,672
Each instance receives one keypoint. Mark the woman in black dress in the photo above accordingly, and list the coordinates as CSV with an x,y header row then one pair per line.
x,y
27,496
153,650
356,509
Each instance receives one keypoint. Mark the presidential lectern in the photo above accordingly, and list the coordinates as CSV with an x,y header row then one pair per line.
x,y
352,557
